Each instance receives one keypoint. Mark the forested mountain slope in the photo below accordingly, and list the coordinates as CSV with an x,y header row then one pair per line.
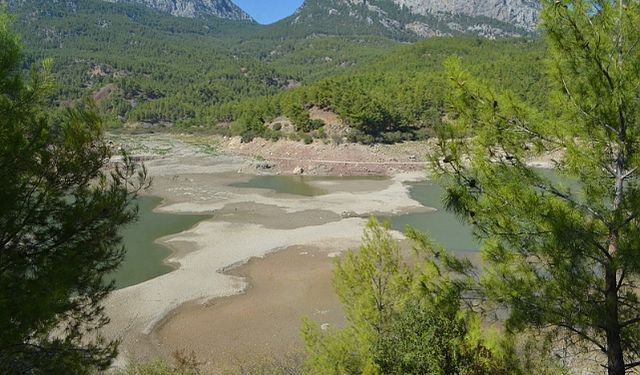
x,y
182,8
143,66
398,97
412,19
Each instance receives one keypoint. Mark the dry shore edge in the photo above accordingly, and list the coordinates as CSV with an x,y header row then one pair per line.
x,y
189,182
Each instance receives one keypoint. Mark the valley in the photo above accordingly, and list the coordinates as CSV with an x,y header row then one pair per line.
x,y
360,187
246,220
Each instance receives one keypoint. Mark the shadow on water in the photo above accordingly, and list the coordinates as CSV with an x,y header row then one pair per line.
x,y
145,258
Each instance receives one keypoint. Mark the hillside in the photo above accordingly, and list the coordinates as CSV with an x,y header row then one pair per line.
x,y
412,19
148,66
194,8
145,67
400,96
225,9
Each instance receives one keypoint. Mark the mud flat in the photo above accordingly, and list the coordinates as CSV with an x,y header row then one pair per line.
x,y
172,311
262,322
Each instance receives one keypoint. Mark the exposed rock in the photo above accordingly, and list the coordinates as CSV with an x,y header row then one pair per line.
x,y
522,13
298,171
194,8
410,19
264,166
349,214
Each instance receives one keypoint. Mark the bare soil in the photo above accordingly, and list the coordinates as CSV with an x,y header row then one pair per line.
x,y
264,321
329,159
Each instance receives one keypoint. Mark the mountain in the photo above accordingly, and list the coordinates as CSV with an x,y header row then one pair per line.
x,y
225,9
413,19
143,65
520,13
194,8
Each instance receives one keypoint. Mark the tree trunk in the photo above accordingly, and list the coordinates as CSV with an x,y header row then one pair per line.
x,y
615,358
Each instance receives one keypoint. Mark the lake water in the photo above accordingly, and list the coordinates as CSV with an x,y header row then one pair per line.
x,y
441,225
306,186
296,185
145,258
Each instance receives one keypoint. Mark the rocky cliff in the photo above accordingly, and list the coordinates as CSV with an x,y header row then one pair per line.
x,y
521,13
411,19
194,8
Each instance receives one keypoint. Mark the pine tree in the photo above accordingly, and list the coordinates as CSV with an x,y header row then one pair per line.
x,y
410,317
562,248
61,207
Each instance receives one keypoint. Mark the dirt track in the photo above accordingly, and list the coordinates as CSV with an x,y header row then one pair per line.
x,y
290,157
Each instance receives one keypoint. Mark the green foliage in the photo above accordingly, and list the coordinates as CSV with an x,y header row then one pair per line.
x,y
561,247
169,70
183,364
410,317
306,138
290,364
163,70
424,341
401,96
157,367
60,214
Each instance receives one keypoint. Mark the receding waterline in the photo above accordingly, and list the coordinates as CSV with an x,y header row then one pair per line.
x,y
295,185
443,226
307,186
145,258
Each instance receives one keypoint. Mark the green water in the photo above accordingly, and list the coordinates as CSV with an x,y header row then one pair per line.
x,y
298,185
145,258
442,226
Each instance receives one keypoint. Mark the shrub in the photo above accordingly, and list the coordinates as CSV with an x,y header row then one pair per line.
x,y
316,124
306,138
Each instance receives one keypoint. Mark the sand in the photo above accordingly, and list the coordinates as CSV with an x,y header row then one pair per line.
x,y
169,312
262,322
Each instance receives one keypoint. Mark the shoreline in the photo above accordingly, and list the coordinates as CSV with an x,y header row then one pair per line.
x,y
247,226
162,241
204,256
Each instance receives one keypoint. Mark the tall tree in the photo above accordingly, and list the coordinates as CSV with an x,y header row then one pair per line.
x,y
61,205
410,318
563,248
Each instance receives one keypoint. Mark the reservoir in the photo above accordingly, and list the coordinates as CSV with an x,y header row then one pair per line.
x,y
145,258
442,226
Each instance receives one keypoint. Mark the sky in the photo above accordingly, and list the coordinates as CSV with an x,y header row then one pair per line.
x,y
269,11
